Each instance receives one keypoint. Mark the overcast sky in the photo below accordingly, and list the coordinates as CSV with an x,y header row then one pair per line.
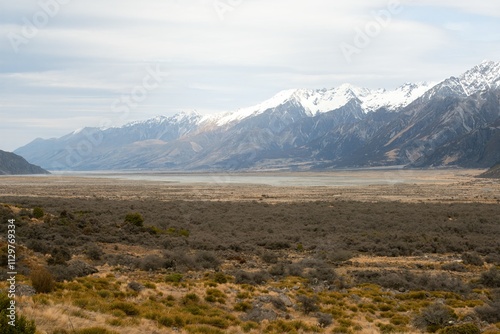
x,y
66,64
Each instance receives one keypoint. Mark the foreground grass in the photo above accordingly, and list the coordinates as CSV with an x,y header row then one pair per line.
x,y
106,304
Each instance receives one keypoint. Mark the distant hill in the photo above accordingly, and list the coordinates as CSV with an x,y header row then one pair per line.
x,y
13,164
492,173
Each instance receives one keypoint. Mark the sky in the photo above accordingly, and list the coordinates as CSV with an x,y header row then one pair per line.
x,y
68,64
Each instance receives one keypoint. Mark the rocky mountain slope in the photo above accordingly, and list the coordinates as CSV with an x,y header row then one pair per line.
x,y
453,123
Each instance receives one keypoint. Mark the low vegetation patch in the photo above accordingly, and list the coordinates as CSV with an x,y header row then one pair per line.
x,y
320,267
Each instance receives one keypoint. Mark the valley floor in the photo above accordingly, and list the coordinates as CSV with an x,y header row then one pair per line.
x,y
149,256
376,185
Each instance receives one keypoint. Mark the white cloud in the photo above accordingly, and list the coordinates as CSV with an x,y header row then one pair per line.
x,y
92,52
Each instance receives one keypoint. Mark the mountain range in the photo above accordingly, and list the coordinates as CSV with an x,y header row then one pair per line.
x,y
453,123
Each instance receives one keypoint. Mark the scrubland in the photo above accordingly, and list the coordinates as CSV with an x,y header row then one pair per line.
x,y
102,256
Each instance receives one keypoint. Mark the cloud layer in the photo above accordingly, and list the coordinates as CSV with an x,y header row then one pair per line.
x,y
66,63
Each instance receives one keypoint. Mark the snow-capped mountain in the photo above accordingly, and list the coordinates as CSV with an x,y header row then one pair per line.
x,y
325,100
485,76
455,122
190,117
172,127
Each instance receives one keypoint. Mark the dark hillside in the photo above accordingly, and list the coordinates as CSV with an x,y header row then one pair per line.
x,y
492,173
13,164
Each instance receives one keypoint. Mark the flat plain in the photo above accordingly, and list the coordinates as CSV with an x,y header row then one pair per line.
x,y
376,185
401,251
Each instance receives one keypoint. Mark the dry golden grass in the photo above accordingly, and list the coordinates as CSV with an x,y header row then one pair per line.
x,y
359,309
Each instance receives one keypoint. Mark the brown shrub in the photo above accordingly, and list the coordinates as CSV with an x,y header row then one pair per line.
x,y
472,258
252,278
308,304
491,278
42,280
435,317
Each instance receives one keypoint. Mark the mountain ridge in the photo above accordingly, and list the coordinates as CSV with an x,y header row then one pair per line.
x,y
413,125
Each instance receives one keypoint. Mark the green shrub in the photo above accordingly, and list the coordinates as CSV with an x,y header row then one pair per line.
x,y
166,321
38,212
399,320
135,218
127,308
220,278
388,328
214,295
190,298
242,307
150,285
42,280
174,277
249,325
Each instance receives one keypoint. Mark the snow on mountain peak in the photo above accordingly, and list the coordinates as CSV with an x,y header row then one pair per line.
x,y
183,116
320,101
186,115
276,100
483,76
325,100
479,78
395,99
